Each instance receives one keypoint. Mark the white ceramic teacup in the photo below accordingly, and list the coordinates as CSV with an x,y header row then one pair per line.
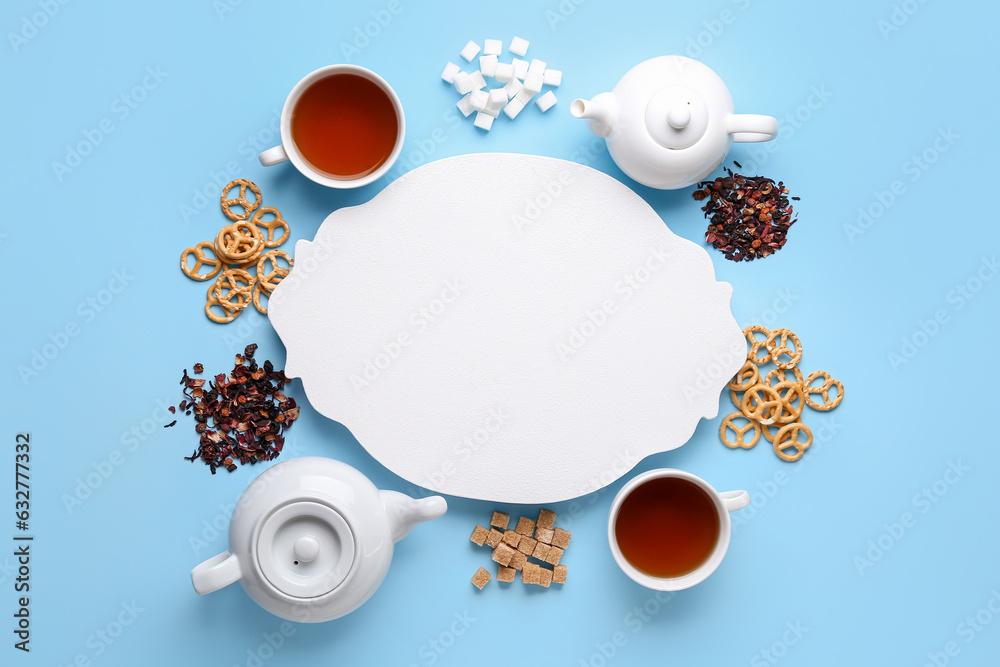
x,y
287,150
725,502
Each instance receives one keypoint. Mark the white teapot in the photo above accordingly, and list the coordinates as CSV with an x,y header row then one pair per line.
x,y
311,539
669,122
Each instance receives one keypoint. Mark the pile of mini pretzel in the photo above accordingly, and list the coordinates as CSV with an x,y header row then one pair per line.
x,y
772,404
239,248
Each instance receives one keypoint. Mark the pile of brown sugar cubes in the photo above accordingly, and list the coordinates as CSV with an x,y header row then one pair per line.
x,y
539,539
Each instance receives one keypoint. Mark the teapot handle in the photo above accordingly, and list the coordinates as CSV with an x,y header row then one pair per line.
x,y
215,573
750,127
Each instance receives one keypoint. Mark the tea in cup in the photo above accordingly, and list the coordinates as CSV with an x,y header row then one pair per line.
x,y
669,529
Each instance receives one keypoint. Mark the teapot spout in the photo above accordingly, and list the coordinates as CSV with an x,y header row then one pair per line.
x,y
601,113
405,512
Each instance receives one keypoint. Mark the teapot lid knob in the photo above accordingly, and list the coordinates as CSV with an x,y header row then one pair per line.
x,y
676,117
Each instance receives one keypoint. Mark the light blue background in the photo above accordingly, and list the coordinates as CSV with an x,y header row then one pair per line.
x,y
851,297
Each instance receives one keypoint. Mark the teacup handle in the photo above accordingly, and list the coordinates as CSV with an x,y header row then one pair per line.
x,y
735,500
746,127
215,573
273,156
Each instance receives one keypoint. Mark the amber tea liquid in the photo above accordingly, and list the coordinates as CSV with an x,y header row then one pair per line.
x,y
345,126
667,527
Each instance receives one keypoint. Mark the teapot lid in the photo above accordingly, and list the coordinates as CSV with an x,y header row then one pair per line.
x,y
305,549
676,117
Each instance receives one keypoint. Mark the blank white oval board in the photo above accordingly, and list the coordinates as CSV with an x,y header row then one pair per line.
x,y
510,328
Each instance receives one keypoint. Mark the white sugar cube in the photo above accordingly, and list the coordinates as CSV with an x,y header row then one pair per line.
x,y
498,100
524,96
488,65
450,70
464,106
552,77
513,108
533,82
478,99
518,46
512,88
505,72
483,121
537,66
493,47
477,80
546,101
470,51
520,68
464,83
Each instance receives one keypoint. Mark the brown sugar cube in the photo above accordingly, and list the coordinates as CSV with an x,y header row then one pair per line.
x,y
546,519
544,577
527,545
541,551
500,520
552,558
512,538
525,526
544,535
559,574
505,574
494,538
502,554
481,578
531,574
518,560
479,535
560,538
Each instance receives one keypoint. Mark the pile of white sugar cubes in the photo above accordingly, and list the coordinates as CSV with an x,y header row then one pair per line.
x,y
521,80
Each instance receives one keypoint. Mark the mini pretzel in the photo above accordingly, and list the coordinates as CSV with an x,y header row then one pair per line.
x,y
783,376
239,243
235,296
241,199
271,225
787,437
787,391
229,314
740,432
747,377
270,279
777,345
824,391
257,290
200,260
756,343
761,403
